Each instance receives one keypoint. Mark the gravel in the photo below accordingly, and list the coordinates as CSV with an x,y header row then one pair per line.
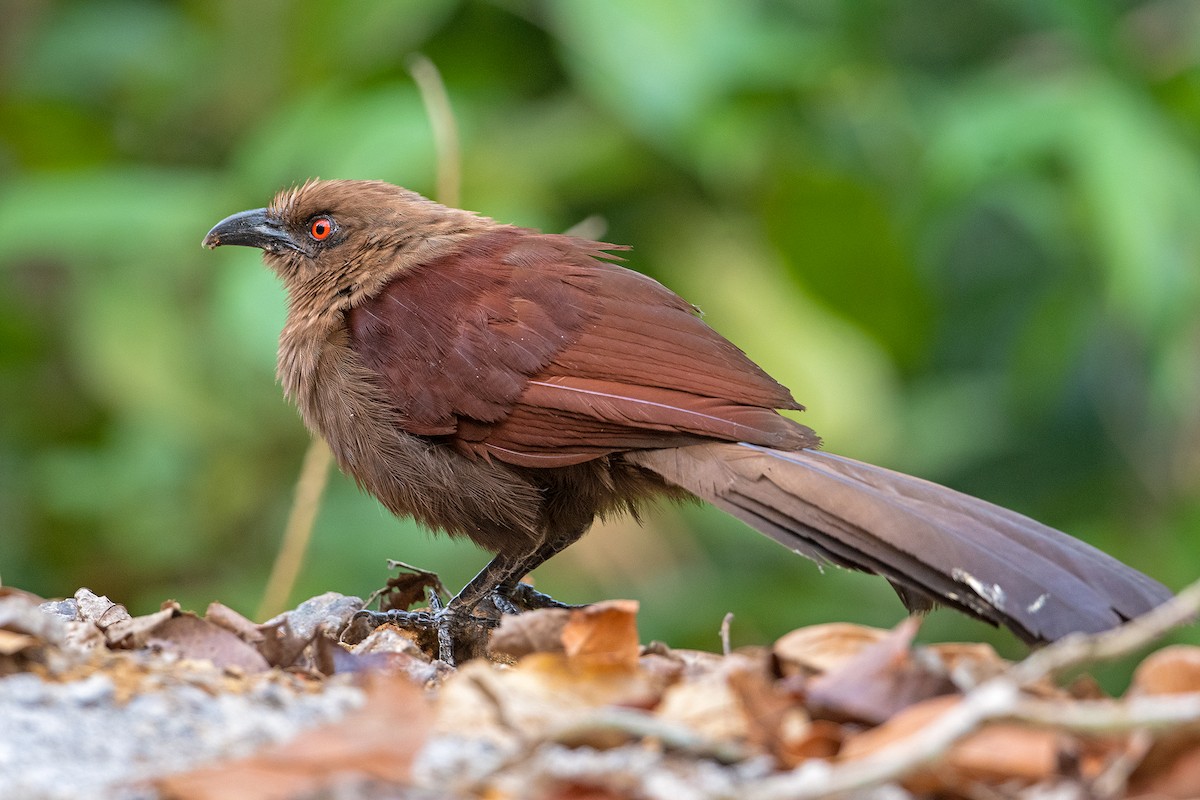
x,y
77,739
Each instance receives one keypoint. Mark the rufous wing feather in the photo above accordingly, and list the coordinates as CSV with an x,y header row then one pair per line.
x,y
536,351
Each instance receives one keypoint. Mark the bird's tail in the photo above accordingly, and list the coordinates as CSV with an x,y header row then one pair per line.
x,y
935,545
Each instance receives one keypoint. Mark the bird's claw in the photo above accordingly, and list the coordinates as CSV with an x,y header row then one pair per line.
x,y
524,597
450,634
453,633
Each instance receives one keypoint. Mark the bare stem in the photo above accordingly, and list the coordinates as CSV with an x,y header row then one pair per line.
x,y
310,486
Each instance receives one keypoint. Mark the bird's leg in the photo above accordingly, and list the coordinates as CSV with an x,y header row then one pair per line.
x,y
456,630
512,597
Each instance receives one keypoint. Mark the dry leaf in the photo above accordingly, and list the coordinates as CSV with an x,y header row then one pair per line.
x,y
191,637
130,633
879,680
409,588
1172,670
820,648
98,609
971,663
909,721
246,629
708,705
375,743
603,633
1171,768
390,648
1004,751
775,721
287,636
538,631
997,753
541,693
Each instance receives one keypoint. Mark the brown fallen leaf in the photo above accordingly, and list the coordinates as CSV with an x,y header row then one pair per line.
x,y
997,753
286,637
775,721
881,679
376,743
1003,751
1171,768
131,633
391,649
820,648
969,663
1171,670
539,631
244,628
98,610
603,633
709,704
191,637
542,692
408,589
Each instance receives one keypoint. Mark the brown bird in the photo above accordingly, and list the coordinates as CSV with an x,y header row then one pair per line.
x,y
510,386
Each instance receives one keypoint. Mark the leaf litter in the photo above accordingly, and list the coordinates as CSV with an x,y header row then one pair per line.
x,y
569,704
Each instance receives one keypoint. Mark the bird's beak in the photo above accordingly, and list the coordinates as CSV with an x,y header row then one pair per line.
x,y
255,228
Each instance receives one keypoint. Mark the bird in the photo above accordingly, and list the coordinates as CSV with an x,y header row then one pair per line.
x,y
511,386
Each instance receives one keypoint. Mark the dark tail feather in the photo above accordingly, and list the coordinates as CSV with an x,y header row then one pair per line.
x,y
932,543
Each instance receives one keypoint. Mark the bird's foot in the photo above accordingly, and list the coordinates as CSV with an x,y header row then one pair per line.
x,y
522,598
455,633
452,634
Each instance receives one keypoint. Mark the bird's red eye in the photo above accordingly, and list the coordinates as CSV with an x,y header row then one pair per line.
x,y
320,228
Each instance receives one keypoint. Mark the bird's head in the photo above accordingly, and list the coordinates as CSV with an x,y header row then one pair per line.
x,y
332,241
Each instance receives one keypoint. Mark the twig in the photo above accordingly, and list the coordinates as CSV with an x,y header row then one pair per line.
x,y
1001,698
726,624
445,132
1152,712
310,485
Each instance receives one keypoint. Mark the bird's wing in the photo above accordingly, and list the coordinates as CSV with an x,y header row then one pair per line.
x,y
534,350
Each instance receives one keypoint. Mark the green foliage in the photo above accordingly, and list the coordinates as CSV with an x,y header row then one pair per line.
x,y
964,233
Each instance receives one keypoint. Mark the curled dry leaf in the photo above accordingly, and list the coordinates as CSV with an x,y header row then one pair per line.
x,y
98,609
225,617
1171,767
820,648
969,663
539,631
23,614
131,633
391,649
286,637
775,722
997,753
708,704
881,679
541,693
190,637
603,633
1172,670
411,587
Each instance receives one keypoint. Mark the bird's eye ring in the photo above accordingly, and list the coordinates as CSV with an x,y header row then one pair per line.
x,y
320,228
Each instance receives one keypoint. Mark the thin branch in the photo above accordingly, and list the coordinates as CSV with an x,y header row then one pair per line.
x,y
1152,712
310,486
445,131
